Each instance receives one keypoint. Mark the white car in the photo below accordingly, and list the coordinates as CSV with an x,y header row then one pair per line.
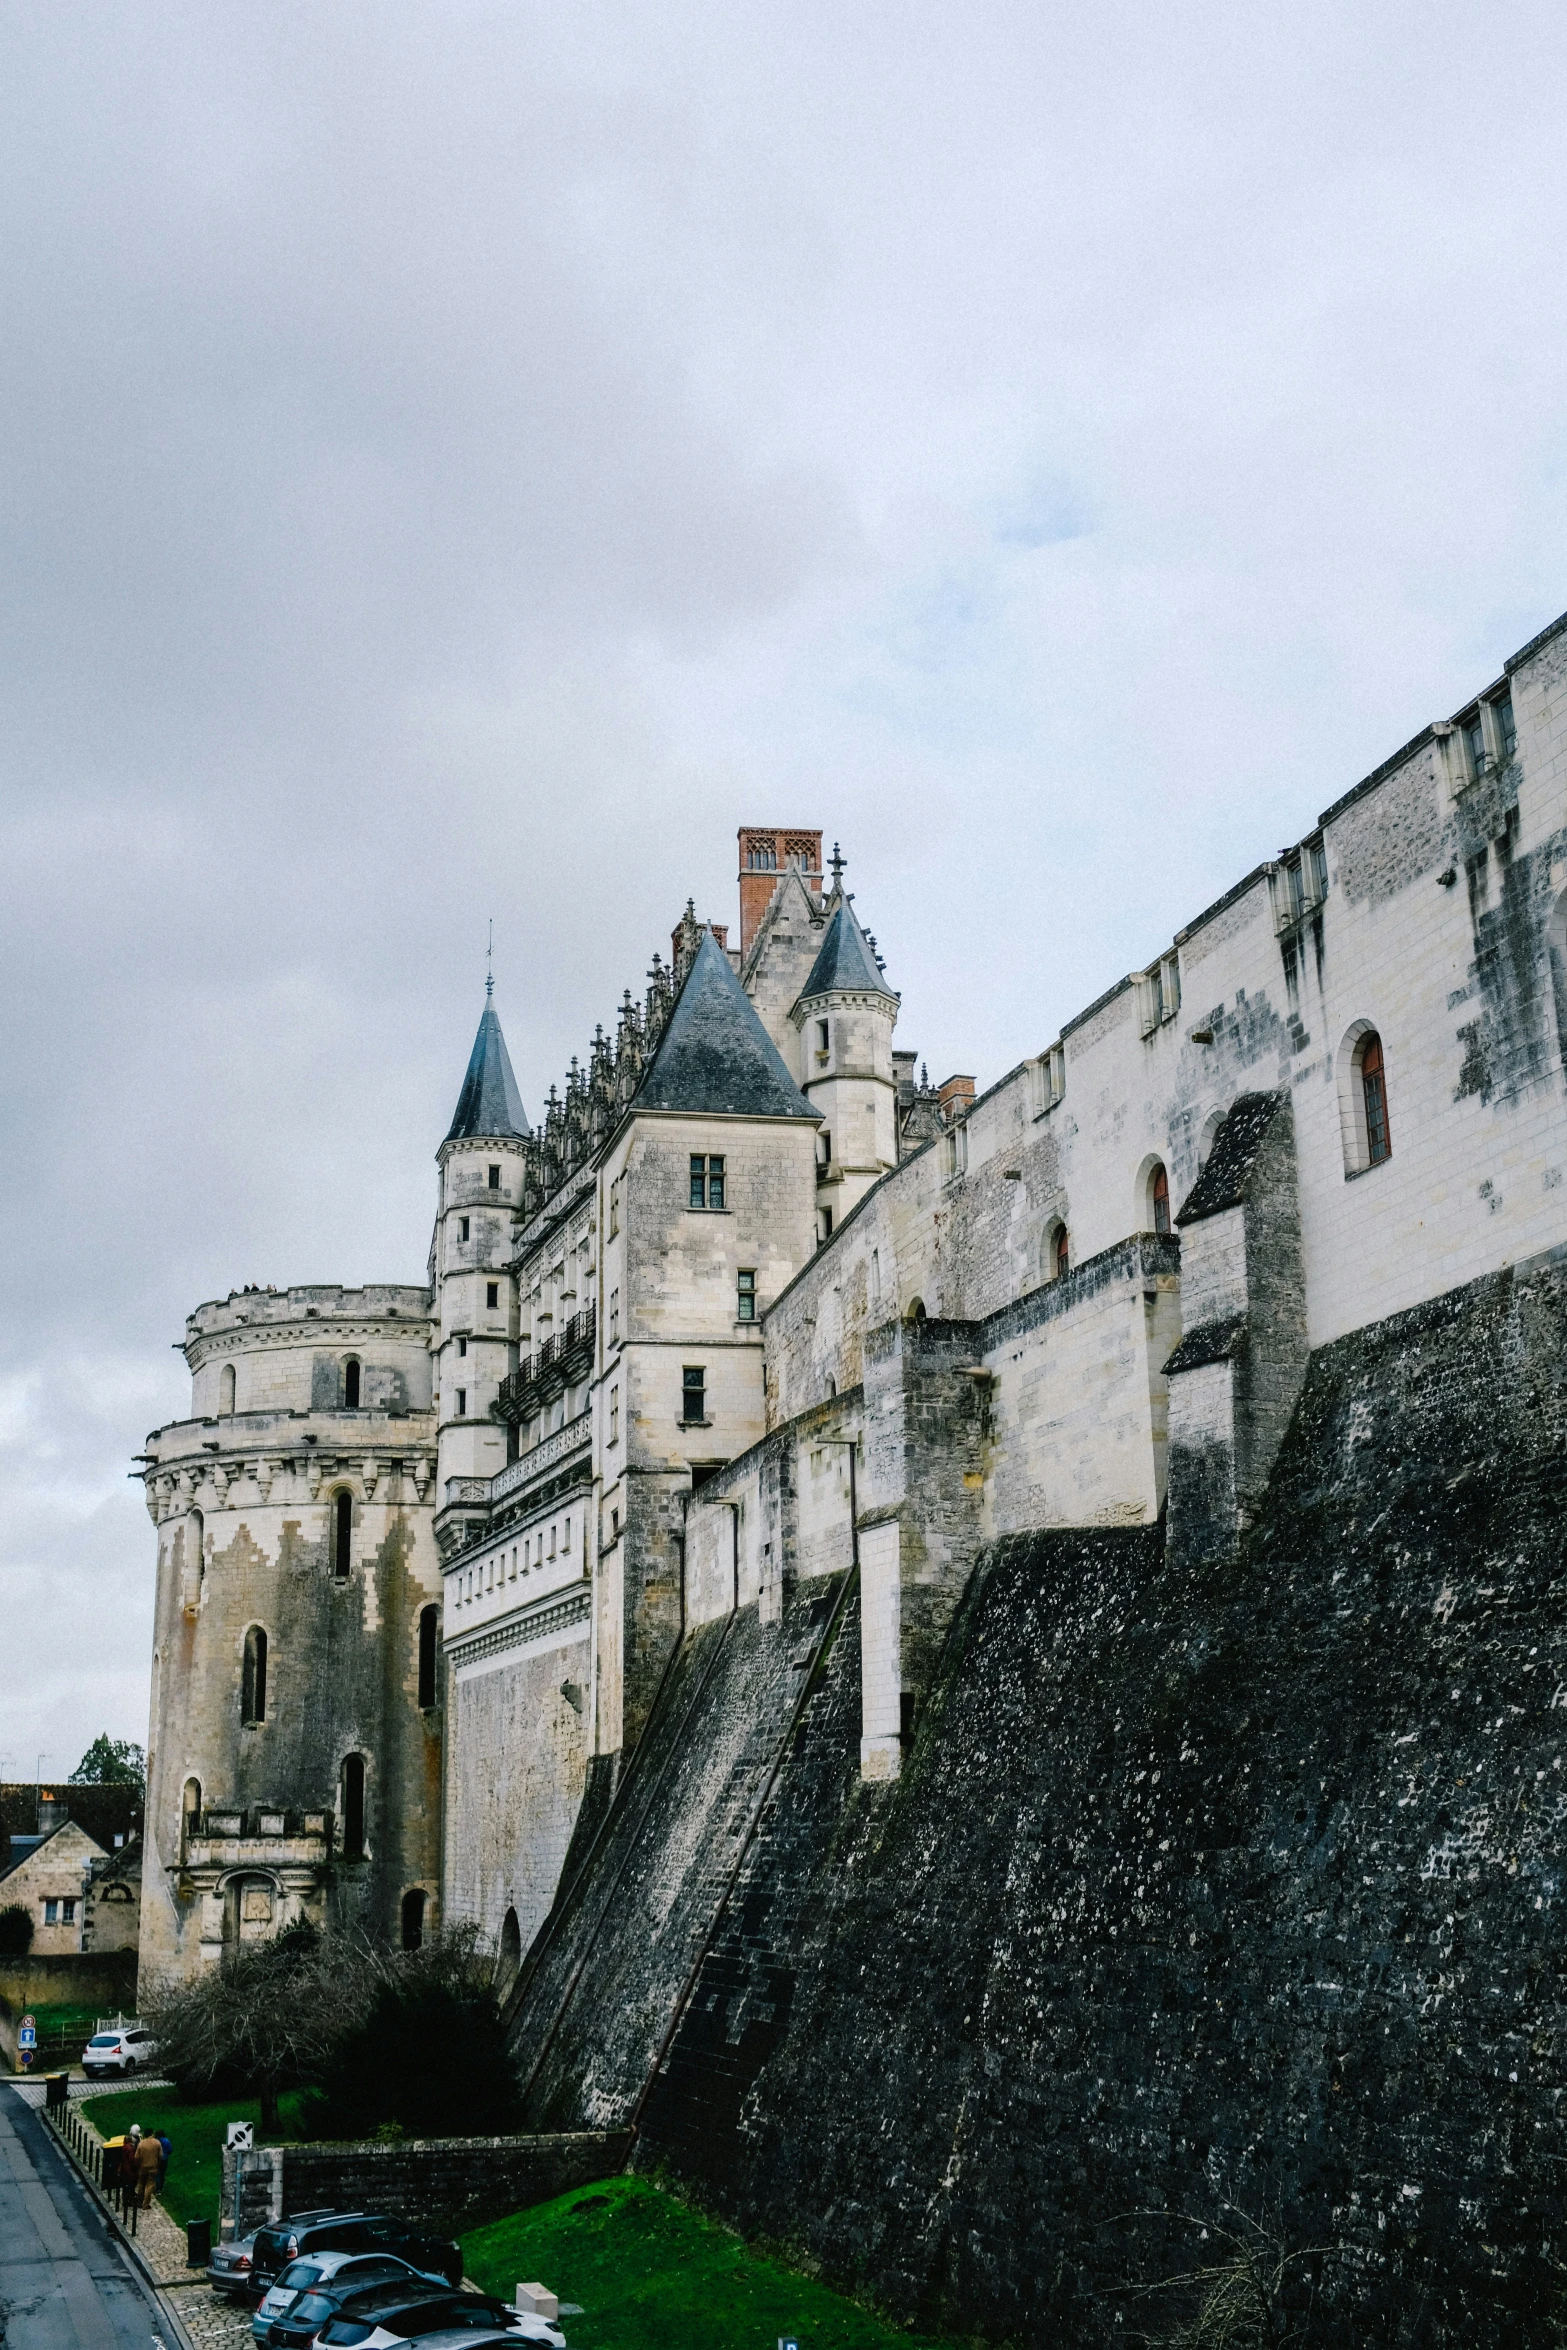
x,y
433,2329
130,2050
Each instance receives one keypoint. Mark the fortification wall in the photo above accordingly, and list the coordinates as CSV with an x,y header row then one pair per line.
x,y
1443,927
1222,1895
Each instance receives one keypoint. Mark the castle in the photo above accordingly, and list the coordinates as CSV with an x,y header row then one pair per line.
x,y
754,1357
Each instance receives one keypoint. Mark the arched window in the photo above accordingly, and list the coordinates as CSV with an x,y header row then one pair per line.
x,y
226,1389
351,1384
1159,1199
353,1807
253,1678
1056,1254
413,1917
342,1535
1063,1253
511,1954
916,1312
190,1813
195,1566
429,1633
1373,1090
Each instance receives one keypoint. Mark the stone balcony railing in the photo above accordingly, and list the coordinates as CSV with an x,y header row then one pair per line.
x,y
266,1833
541,1456
561,1362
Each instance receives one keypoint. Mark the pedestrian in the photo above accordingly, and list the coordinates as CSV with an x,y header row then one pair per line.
x,y
128,2156
149,2161
166,2145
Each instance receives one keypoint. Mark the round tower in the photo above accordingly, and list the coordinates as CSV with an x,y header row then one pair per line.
x,y
483,1167
295,1734
844,1017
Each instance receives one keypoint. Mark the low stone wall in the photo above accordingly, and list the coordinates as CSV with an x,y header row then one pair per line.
x,y
453,2183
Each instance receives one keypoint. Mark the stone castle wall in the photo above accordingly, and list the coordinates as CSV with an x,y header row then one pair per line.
x,y
1211,1894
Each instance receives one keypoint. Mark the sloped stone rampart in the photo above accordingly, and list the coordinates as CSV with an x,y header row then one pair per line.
x,y
1236,1886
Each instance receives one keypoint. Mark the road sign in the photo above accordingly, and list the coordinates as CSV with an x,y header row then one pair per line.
x,y
241,2135
27,2037
787,2342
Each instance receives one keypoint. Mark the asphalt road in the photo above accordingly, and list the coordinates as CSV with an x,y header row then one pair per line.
x,y
63,2283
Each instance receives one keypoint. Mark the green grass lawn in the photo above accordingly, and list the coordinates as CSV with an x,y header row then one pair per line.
x,y
651,2275
194,2186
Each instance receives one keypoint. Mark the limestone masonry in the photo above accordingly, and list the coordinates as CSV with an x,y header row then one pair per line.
x,y
987,1664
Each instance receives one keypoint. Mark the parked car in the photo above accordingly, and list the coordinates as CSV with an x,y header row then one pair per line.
x,y
124,2051
378,2321
351,2231
299,2327
229,2269
339,2272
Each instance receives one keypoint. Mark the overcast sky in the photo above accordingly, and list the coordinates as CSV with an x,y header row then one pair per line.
x,y
463,460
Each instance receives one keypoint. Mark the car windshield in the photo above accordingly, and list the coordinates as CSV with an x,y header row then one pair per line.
x,y
314,2306
297,2275
104,2040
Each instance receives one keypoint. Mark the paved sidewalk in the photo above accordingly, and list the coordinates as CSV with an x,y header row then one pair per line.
x,y
211,2322
64,2283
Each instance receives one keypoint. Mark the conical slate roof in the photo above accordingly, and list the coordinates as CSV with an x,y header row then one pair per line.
x,y
844,960
489,1103
715,1054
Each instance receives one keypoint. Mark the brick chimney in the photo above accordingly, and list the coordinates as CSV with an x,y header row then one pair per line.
x,y
767,852
954,1095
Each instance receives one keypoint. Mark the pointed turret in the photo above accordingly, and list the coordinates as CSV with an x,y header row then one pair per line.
x,y
844,1018
714,1054
489,1104
846,961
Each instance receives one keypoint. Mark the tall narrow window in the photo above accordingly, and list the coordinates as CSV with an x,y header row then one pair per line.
x,y
745,1301
1062,1253
823,1039
1373,1081
1161,1200
353,1807
413,1917
462,1342
462,1227
1474,744
492,1295
253,1679
495,1178
614,1317
190,1814
693,1395
226,1389
462,1403
614,1415
1506,726
342,1536
429,1632
351,1384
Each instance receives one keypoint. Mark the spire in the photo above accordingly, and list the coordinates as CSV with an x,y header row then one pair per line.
x,y
715,1054
846,962
489,1103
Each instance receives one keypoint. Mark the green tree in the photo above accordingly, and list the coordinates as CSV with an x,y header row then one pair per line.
x,y
16,1931
111,1762
260,2022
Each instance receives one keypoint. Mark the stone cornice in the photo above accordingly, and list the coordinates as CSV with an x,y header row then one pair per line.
x,y
553,1612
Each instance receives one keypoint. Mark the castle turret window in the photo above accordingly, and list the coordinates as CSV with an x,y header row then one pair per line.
x,y
462,1227
1160,1195
492,1295
429,1632
351,1384
1373,1082
462,1403
707,1181
342,1536
495,1178
693,1396
253,1679
226,1389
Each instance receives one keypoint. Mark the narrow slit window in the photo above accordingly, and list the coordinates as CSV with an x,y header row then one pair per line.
x,y
462,1403
253,1679
1063,1253
351,1385
342,1536
1506,726
1161,1200
462,1227
429,1632
492,1295
226,1390
495,1178
353,1807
